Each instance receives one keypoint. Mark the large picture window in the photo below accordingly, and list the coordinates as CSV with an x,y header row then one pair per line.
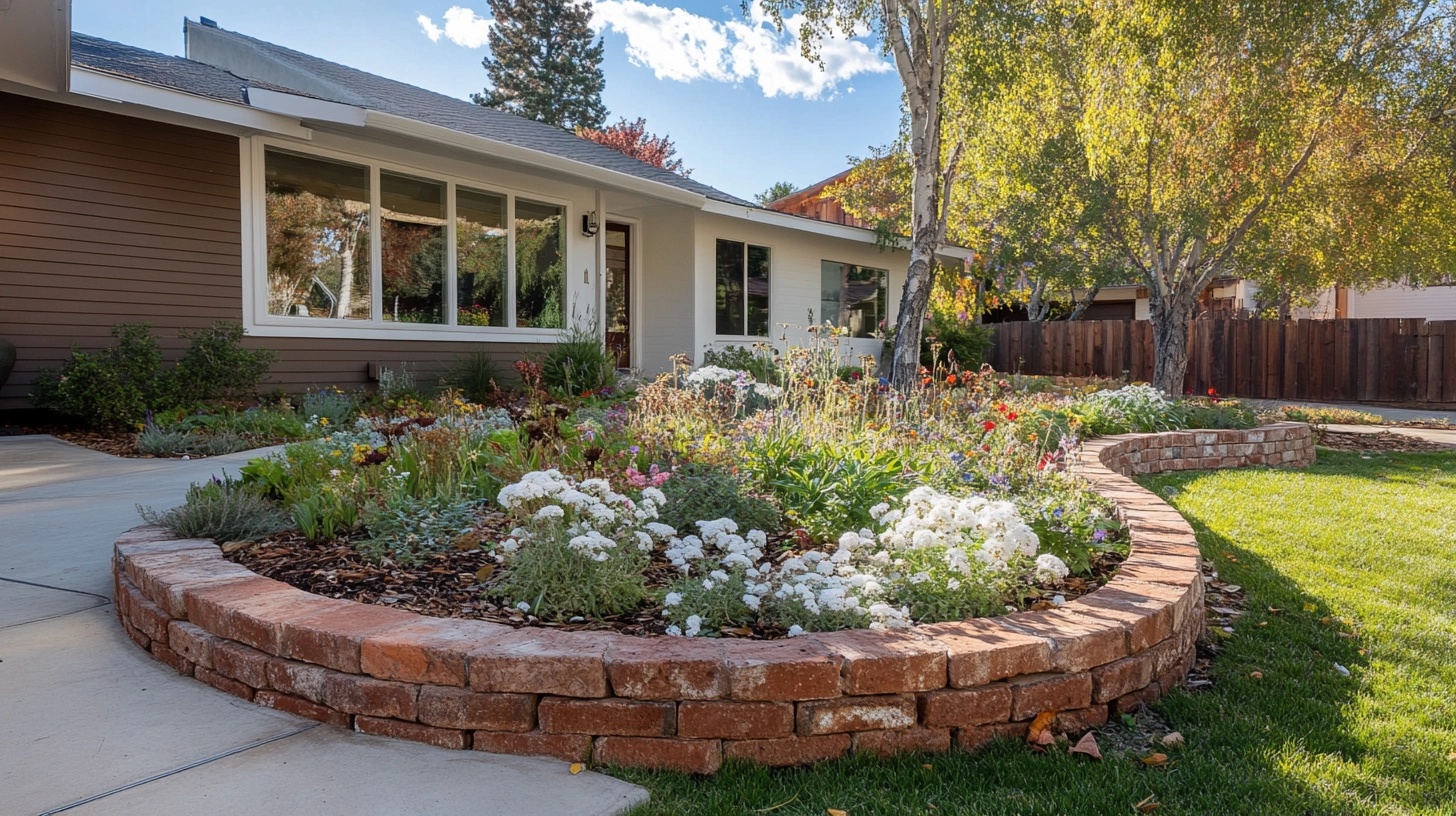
x,y
742,289
447,255
853,297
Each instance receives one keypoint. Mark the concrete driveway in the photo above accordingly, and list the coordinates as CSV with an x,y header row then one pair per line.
x,y
89,724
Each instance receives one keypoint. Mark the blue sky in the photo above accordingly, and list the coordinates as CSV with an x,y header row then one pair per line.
x,y
743,108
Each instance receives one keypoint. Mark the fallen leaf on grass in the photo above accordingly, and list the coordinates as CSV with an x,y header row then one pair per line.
x,y
1173,739
833,812
927,766
1257,675
1451,756
1147,805
1274,610
576,768
1342,670
771,808
1087,745
1154,760
1040,732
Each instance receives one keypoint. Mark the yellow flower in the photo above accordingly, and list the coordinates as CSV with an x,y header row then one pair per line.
x,y
323,420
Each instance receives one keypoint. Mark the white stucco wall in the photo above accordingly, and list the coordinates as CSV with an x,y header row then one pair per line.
x,y
663,290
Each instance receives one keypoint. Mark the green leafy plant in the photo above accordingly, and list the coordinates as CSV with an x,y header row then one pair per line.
x,y
110,388
329,403
223,509
698,492
759,363
950,340
824,488
556,581
579,363
407,530
475,375
215,366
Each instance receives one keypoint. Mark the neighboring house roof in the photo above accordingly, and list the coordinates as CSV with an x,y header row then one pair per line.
x,y
349,86
811,202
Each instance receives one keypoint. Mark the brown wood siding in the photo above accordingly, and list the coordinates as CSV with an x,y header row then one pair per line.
x,y
108,219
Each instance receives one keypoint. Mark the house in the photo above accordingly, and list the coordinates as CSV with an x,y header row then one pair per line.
x,y
350,221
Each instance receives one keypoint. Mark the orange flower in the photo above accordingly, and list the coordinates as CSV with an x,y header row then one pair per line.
x,y
950,379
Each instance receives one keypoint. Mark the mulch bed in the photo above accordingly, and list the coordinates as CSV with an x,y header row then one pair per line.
x,y
116,443
454,584
1382,442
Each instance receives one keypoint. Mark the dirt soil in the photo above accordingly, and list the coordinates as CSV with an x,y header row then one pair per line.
x,y
1382,442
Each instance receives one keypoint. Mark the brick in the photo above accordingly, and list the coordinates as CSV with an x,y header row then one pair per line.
x,y
249,611
788,751
298,679
332,635
786,670
179,663
610,717
1120,677
877,713
428,650
980,652
221,683
963,708
414,732
166,580
1034,694
300,707
687,756
1079,721
141,613
668,668
901,741
137,636
1078,642
354,694
1164,656
242,663
458,708
137,538
191,642
565,747
1144,620
570,664
971,739
1133,701
734,720
886,661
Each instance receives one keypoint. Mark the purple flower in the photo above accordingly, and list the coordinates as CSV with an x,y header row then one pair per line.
x,y
634,450
1099,535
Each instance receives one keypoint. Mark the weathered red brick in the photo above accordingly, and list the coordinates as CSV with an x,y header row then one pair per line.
x,y
332,636
565,747
843,714
963,708
609,717
793,669
414,732
300,707
428,650
886,661
659,753
165,579
449,707
142,613
354,694
242,663
902,741
1079,721
787,751
981,652
249,611
137,636
668,668
1144,620
734,720
971,739
179,663
1036,693
221,683
1120,677
1132,701
1078,642
191,642
298,679
571,664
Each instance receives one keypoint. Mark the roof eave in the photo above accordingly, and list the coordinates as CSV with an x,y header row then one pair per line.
x,y
128,91
825,228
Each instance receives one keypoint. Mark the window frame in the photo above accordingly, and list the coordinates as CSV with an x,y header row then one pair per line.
x,y
772,276
884,278
257,321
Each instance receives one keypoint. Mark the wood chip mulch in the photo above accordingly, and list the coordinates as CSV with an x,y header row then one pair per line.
x,y
1382,442
116,443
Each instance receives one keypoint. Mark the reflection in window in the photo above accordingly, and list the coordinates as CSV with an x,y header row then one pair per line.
x,y
742,289
480,264
317,215
412,243
853,297
540,265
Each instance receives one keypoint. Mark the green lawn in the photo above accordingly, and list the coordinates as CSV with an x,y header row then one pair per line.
x,y
1353,545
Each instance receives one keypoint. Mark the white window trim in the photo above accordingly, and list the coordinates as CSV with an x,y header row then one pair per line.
x,y
257,322
773,275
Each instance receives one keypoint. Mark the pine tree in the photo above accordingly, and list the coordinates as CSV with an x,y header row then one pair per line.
x,y
544,63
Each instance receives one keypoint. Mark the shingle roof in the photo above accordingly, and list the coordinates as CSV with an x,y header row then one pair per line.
x,y
376,93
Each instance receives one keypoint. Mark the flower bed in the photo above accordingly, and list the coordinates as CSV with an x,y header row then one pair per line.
x,y
690,703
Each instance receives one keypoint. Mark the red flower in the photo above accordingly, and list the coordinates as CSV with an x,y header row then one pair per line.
x,y
986,448
925,381
1213,392
950,379
988,425
1011,416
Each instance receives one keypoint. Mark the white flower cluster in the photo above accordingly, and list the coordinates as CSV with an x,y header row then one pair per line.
x,y
1143,397
595,517
992,532
713,374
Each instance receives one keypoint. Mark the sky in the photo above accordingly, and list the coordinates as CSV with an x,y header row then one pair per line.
x,y
744,109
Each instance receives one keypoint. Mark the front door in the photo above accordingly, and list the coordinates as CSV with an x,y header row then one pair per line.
x,y
619,293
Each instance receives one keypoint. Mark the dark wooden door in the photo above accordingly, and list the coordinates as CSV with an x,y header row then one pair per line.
x,y
619,293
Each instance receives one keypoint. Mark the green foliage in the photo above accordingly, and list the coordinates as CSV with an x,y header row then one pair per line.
x,y
580,362
331,404
558,582
407,530
223,510
698,492
759,363
107,389
216,366
775,191
474,374
545,63
922,586
826,489
1218,415
952,342
717,606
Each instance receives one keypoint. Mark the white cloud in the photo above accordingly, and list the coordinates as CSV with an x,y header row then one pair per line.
x,y
462,26
678,45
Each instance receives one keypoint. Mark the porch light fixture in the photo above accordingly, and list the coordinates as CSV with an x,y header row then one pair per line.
x,y
589,224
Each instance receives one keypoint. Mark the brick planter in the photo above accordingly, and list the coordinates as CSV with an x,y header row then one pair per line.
x,y
688,704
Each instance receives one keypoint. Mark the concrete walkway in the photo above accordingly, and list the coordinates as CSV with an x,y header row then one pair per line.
x,y
89,724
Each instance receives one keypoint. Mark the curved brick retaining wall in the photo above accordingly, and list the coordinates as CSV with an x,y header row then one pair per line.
x,y
689,704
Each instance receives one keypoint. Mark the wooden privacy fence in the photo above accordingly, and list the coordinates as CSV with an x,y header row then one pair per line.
x,y
1406,360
